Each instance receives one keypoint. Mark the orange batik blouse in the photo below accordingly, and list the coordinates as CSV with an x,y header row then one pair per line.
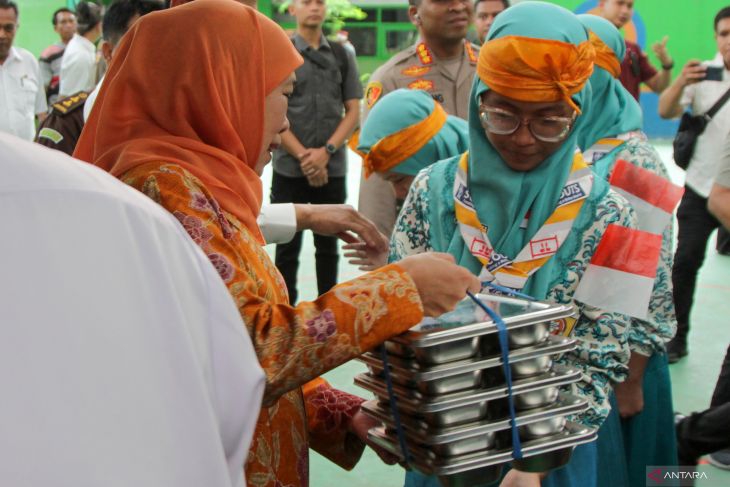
x,y
294,344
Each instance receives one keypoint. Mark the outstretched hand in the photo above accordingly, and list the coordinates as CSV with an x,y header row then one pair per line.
x,y
342,221
365,257
440,281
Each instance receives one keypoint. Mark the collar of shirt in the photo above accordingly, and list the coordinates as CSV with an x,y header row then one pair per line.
x,y
14,55
302,44
84,43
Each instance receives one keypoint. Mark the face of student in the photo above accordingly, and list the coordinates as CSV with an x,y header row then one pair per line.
x,y
722,36
521,150
618,12
401,183
275,121
446,20
8,28
486,12
65,25
309,13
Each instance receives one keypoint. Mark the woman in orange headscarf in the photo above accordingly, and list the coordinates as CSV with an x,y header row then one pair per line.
x,y
194,136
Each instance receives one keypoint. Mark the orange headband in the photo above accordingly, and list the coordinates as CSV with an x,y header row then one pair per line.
x,y
399,146
605,57
537,70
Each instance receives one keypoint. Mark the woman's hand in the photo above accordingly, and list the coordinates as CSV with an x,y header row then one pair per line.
x,y
360,424
364,256
515,478
630,398
440,282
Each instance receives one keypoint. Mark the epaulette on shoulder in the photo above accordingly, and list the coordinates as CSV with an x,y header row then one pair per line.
x,y
403,55
70,103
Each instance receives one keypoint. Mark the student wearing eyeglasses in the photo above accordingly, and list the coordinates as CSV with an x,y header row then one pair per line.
x,y
22,96
522,208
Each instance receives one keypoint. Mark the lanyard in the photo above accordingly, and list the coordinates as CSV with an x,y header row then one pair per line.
x,y
513,273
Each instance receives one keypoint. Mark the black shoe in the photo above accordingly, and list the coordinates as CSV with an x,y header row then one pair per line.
x,y
720,459
682,456
676,349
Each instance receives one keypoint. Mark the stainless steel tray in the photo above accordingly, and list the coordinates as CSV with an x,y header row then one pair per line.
x,y
468,320
464,374
548,452
415,402
474,405
425,434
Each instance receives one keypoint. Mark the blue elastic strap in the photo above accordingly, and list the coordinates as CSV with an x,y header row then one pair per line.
x,y
508,290
504,348
394,406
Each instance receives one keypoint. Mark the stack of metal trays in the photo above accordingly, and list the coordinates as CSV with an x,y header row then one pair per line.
x,y
452,398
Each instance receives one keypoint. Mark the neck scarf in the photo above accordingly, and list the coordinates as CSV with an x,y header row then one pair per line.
x,y
408,131
502,197
615,110
205,114
499,268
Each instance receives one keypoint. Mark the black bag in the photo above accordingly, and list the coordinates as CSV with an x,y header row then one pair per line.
x,y
690,128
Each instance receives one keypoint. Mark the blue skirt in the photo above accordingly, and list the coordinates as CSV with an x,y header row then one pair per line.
x,y
626,447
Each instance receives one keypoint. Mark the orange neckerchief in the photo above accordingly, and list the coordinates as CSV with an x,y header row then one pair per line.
x,y
536,70
605,57
205,114
396,148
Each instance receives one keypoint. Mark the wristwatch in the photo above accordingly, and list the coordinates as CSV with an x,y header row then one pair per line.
x,y
330,148
668,67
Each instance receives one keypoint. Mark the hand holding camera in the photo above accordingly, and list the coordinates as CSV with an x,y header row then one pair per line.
x,y
692,72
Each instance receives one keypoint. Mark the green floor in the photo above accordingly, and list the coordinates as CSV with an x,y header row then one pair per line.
x,y
693,378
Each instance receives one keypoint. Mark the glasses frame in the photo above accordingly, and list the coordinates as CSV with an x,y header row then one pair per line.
x,y
484,110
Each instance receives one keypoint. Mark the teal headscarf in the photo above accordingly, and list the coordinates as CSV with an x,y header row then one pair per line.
x,y
403,108
614,111
503,197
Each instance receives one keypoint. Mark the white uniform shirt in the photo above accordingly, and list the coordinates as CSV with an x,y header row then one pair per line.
x,y
278,222
123,359
78,67
708,151
21,94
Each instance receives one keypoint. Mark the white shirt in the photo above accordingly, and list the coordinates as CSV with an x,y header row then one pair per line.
x,y
708,151
21,94
89,104
78,67
123,359
278,222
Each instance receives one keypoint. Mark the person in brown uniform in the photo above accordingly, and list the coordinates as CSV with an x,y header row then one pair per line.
x,y
62,127
443,63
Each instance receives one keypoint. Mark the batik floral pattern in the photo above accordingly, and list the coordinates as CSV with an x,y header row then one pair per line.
x,y
294,345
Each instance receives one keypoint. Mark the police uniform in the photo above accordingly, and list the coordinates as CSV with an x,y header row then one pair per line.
x,y
414,68
62,128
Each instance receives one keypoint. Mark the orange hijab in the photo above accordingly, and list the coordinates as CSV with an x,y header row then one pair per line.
x,y
187,86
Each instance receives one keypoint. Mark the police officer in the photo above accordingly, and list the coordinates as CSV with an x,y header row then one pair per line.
x,y
443,63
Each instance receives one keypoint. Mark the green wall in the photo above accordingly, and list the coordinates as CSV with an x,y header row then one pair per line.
x,y
36,30
688,23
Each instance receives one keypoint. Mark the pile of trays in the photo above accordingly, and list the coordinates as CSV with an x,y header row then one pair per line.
x,y
450,390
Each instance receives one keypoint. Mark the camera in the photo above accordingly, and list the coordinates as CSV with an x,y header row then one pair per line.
x,y
713,73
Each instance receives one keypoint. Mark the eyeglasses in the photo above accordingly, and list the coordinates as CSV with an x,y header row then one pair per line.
x,y
546,129
9,28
